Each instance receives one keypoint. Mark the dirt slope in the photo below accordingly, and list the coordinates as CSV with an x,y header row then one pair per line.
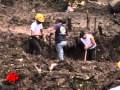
x,y
68,75
72,74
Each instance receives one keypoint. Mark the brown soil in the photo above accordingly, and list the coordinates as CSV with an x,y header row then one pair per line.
x,y
73,73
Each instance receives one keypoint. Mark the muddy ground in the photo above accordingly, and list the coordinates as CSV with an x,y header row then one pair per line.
x,y
73,73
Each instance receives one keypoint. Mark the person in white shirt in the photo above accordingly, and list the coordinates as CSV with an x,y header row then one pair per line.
x,y
71,8
37,26
37,33
89,44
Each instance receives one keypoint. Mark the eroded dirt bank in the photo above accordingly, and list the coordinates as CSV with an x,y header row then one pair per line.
x,y
69,75
72,74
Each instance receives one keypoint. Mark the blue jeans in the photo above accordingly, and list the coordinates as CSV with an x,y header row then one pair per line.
x,y
60,50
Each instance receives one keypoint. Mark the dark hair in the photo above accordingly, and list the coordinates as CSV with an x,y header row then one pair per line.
x,y
82,33
38,21
59,21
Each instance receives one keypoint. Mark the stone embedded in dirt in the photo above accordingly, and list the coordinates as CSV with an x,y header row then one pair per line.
x,y
20,59
52,66
61,81
33,11
72,74
83,77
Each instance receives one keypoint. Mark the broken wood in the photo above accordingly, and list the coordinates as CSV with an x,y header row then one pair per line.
x,y
88,20
95,24
100,29
52,66
85,57
69,25
38,69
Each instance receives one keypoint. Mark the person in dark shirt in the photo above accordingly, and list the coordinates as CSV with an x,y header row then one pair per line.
x,y
60,33
60,38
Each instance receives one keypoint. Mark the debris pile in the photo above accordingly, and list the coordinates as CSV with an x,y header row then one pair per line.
x,y
37,72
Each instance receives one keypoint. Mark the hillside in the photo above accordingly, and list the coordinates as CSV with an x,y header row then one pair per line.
x,y
72,74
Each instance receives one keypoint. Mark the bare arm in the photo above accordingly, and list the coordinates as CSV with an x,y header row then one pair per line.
x,y
51,29
93,43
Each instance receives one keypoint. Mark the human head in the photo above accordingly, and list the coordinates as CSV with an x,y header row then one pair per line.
x,y
39,18
82,35
59,21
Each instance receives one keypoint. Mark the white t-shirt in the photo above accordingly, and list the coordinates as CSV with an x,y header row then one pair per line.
x,y
35,28
87,41
70,9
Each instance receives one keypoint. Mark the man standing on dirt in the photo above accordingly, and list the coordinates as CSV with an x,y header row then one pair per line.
x,y
37,32
37,26
89,44
60,38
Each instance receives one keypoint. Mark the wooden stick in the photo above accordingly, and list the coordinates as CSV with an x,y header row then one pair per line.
x,y
88,20
69,25
95,25
100,29
85,57
38,69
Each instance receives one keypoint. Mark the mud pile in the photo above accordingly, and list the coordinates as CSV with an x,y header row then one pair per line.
x,y
72,74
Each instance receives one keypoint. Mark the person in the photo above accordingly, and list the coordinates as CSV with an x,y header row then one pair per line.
x,y
37,33
71,8
37,26
65,5
89,44
60,37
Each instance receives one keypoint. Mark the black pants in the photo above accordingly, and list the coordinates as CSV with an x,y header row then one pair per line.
x,y
34,44
91,54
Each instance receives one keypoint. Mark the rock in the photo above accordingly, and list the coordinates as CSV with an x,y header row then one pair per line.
x,y
61,81
21,59
33,11
52,66
83,77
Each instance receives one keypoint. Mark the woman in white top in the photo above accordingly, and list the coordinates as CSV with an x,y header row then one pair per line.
x,y
89,44
71,8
